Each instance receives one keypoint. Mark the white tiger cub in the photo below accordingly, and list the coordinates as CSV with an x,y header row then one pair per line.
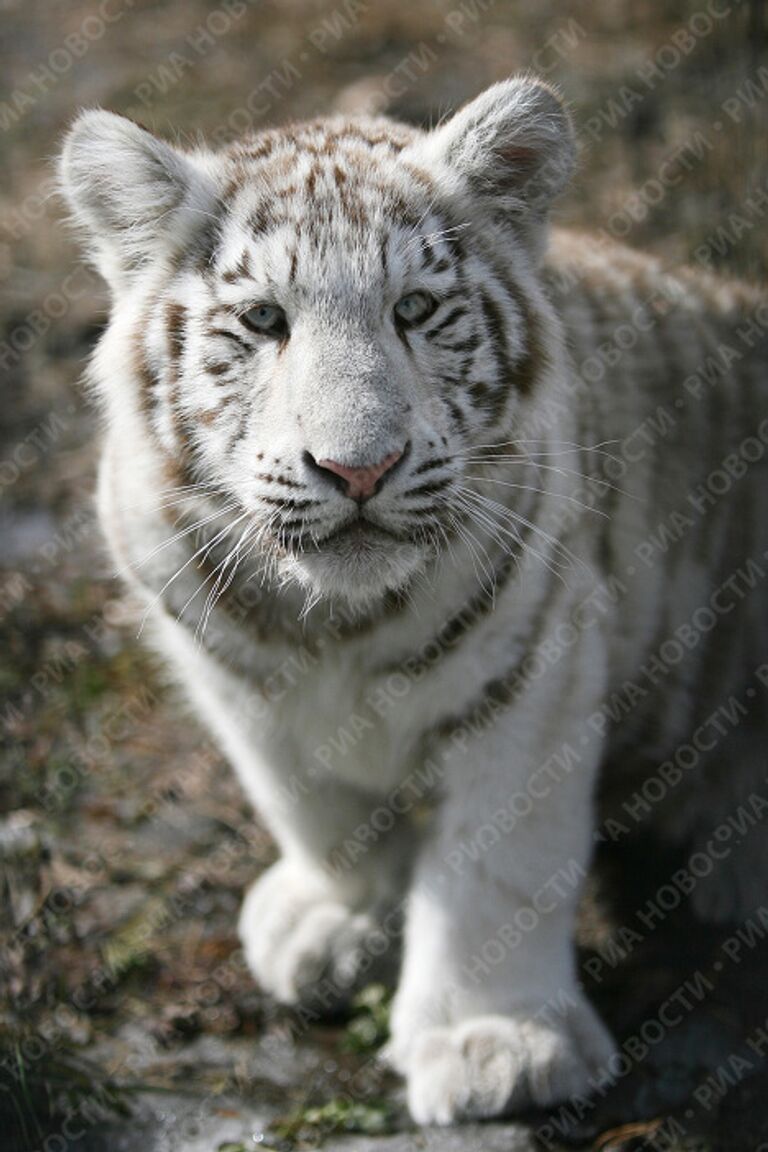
x,y
386,463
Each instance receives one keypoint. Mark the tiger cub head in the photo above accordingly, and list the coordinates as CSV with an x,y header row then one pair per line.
x,y
326,320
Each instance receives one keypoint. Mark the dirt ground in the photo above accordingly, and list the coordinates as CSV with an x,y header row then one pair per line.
x,y
127,1019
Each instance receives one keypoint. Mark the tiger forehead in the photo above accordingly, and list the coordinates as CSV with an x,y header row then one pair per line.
x,y
327,137
326,163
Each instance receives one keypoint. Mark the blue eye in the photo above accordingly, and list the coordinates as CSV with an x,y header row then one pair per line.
x,y
414,308
267,319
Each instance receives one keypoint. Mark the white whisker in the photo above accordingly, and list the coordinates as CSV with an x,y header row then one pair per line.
x,y
184,532
204,549
541,492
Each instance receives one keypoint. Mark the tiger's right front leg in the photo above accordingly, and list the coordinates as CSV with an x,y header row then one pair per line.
x,y
324,918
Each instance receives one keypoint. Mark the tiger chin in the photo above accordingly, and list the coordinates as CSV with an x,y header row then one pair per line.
x,y
357,566
394,467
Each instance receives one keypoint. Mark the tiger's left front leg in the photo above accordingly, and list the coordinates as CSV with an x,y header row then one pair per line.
x,y
489,1015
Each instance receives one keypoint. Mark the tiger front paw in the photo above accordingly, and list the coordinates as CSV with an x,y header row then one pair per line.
x,y
493,1065
303,944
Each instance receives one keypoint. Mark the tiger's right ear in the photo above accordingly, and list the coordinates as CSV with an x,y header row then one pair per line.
x,y
511,148
135,196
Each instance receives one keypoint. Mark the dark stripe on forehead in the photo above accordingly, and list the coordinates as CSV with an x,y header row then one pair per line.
x,y
384,252
401,213
454,243
319,133
422,177
242,271
259,149
427,252
353,206
311,181
321,138
265,216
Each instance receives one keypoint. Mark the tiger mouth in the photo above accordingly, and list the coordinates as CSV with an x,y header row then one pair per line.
x,y
356,534
359,529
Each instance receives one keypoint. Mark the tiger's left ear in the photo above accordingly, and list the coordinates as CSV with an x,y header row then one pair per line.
x,y
514,145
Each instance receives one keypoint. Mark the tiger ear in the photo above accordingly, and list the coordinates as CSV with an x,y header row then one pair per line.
x,y
513,144
135,196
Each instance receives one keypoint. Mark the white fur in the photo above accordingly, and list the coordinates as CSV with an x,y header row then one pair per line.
x,y
319,727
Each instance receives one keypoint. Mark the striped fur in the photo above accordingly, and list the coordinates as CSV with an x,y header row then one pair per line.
x,y
556,577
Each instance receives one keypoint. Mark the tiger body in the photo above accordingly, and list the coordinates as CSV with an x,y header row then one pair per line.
x,y
419,690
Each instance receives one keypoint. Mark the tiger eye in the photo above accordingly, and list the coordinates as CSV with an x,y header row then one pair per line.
x,y
266,319
413,308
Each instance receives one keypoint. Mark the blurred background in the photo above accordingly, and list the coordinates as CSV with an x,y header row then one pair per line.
x,y
127,1019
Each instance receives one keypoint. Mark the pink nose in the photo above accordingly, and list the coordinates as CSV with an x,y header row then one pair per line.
x,y
361,482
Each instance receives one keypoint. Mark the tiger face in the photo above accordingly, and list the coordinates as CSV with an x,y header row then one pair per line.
x,y
331,317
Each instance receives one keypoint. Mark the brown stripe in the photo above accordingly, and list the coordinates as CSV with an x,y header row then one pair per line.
x,y
454,315
479,393
521,374
209,415
241,272
176,321
497,332
428,465
427,253
230,336
218,369
269,478
311,181
458,625
148,383
258,151
501,691
471,344
402,335
457,414
262,219
429,487
288,503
